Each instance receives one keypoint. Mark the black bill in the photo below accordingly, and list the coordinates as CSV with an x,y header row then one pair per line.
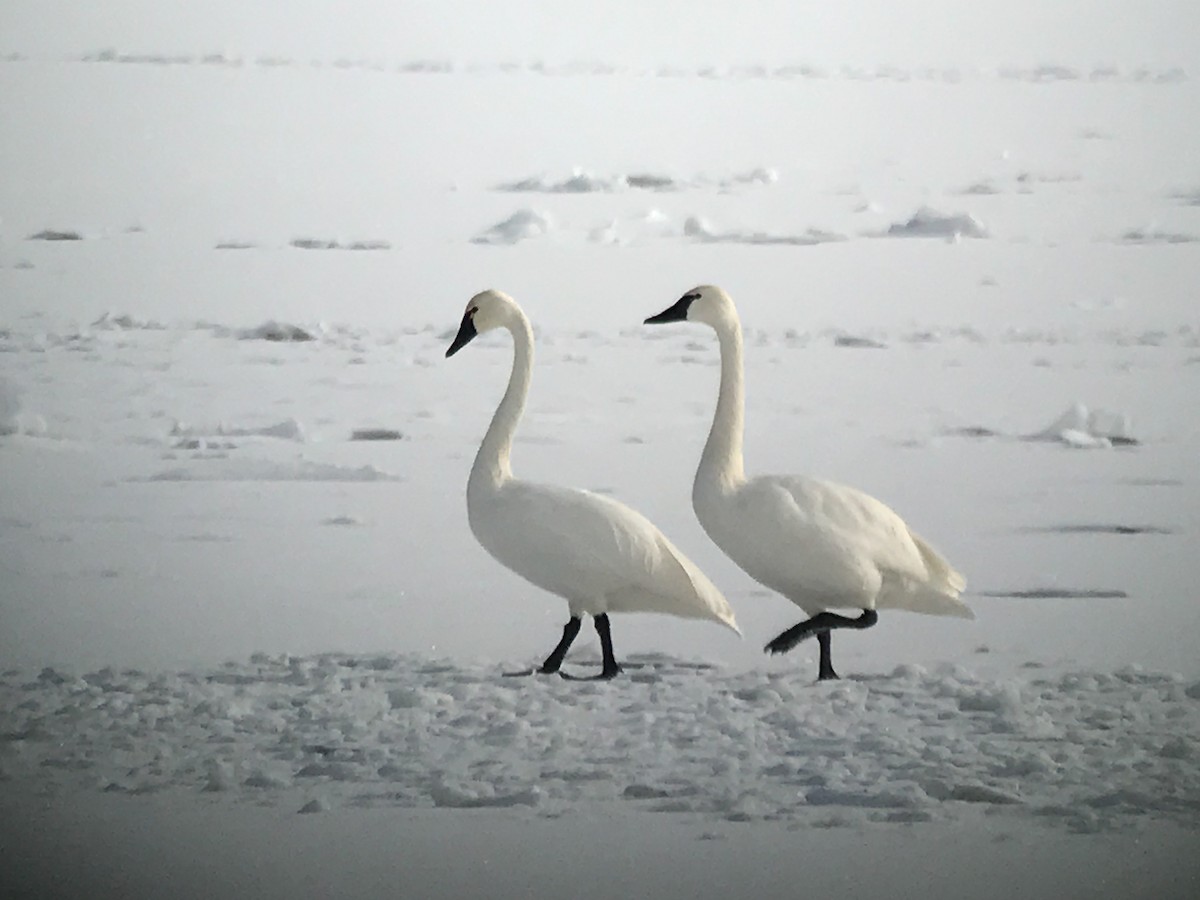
x,y
466,333
675,313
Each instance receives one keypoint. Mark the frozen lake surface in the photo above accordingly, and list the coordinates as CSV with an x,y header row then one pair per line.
x,y
236,577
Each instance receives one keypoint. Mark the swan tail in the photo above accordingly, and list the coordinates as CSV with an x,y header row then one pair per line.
x,y
729,622
681,589
942,576
922,599
718,607
939,594
635,599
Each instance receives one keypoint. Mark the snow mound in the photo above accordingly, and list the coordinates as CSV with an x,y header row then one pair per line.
x,y
1084,429
478,796
928,222
54,234
757,176
376,434
288,430
652,223
308,243
269,470
671,735
648,181
1156,236
126,322
1046,73
858,341
1028,178
581,181
700,230
520,226
344,521
982,188
1058,593
1188,197
10,406
12,420
110,54
280,332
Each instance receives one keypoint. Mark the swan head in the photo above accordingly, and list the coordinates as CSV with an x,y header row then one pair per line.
x,y
485,311
706,303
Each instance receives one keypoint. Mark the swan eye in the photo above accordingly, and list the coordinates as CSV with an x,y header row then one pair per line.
x,y
472,311
694,295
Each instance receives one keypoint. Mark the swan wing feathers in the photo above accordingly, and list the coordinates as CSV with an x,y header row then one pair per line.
x,y
595,551
844,543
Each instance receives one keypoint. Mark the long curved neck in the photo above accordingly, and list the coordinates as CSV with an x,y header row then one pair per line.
x,y
492,466
721,463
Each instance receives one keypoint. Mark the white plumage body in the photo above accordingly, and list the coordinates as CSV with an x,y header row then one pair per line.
x,y
827,546
822,545
595,552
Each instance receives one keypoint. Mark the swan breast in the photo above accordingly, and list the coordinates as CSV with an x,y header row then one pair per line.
x,y
592,550
818,543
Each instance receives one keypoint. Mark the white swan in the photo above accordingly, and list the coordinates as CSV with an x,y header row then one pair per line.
x,y
819,544
598,554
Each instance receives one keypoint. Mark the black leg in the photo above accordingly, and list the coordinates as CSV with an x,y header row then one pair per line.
x,y
610,669
825,672
554,660
821,622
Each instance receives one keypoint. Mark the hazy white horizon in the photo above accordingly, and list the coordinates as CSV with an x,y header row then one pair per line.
x,y
862,32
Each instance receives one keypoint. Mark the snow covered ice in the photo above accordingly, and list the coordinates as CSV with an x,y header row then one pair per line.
x,y
1084,751
236,577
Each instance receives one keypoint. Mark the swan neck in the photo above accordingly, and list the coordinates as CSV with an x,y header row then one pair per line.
x,y
721,462
493,464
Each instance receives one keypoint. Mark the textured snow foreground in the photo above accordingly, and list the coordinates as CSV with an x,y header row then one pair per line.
x,y
1083,751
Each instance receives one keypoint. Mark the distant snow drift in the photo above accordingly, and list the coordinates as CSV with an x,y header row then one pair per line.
x,y
219,469
1046,73
1082,428
927,222
674,736
54,234
308,243
700,230
520,226
10,405
581,181
12,420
